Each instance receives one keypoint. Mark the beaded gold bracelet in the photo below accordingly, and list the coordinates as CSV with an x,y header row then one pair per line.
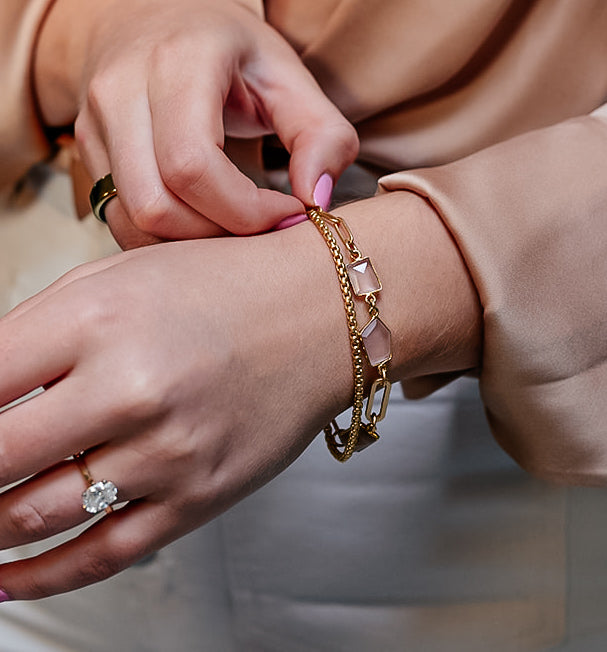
x,y
357,278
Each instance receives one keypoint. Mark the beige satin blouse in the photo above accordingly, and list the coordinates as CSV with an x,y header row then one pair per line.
x,y
488,108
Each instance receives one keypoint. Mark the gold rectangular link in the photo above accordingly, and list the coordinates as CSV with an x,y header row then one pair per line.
x,y
379,385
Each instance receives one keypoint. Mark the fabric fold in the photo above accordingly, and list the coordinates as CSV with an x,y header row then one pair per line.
x,y
530,218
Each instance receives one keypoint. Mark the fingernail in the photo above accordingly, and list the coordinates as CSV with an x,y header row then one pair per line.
x,y
291,221
4,596
323,191
322,197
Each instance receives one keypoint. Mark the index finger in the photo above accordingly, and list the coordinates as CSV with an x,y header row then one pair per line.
x,y
35,350
188,134
123,144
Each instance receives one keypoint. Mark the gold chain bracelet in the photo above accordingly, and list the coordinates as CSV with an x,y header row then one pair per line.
x,y
357,278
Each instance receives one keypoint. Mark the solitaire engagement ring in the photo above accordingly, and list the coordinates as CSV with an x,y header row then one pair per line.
x,y
98,496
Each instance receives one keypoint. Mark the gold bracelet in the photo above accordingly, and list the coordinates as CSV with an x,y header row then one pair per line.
x,y
357,278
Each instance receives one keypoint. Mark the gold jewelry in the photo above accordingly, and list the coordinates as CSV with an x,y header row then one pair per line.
x,y
100,195
357,278
98,496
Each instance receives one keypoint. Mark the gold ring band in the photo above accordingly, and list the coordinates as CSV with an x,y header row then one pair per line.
x,y
98,496
100,195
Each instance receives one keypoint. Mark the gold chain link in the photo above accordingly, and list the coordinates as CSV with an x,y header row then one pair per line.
x,y
332,431
350,438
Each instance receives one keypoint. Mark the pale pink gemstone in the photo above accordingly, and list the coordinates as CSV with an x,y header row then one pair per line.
x,y
377,340
363,277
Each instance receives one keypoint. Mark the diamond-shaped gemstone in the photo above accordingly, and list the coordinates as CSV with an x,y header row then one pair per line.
x,y
363,277
99,496
377,339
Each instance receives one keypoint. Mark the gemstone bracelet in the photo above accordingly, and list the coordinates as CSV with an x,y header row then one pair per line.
x,y
357,278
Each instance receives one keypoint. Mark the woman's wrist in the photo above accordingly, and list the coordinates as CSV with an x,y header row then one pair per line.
x,y
428,299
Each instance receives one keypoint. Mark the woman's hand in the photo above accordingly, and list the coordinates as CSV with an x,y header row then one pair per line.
x,y
155,87
193,372
189,382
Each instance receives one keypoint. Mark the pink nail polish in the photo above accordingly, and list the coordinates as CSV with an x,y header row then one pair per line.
x,y
4,596
290,221
323,191
322,197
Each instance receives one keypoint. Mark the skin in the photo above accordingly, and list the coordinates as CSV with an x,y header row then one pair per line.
x,y
154,88
181,367
189,400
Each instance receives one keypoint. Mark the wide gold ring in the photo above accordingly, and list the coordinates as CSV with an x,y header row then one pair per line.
x,y
98,496
100,195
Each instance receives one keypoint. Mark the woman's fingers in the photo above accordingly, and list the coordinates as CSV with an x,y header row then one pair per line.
x,y
173,179
126,234
276,91
110,545
192,163
156,117
319,138
45,505
93,154
81,271
51,501
35,352
122,142
51,426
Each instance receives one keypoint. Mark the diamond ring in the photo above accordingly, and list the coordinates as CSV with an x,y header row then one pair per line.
x,y
98,496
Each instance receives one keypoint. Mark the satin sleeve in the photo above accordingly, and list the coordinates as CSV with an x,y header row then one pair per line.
x,y
22,140
530,218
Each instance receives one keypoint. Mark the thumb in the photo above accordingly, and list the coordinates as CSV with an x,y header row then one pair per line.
x,y
319,138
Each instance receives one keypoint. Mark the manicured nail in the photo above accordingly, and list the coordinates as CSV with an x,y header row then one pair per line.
x,y
291,221
4,596
322,197
323,191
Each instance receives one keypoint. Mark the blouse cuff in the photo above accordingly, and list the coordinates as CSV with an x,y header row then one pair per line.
x,y
530,218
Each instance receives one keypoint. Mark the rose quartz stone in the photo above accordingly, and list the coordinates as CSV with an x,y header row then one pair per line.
x,y
363,277
377,340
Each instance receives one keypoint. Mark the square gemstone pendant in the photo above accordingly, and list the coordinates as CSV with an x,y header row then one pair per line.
x,y
377,339
363,277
